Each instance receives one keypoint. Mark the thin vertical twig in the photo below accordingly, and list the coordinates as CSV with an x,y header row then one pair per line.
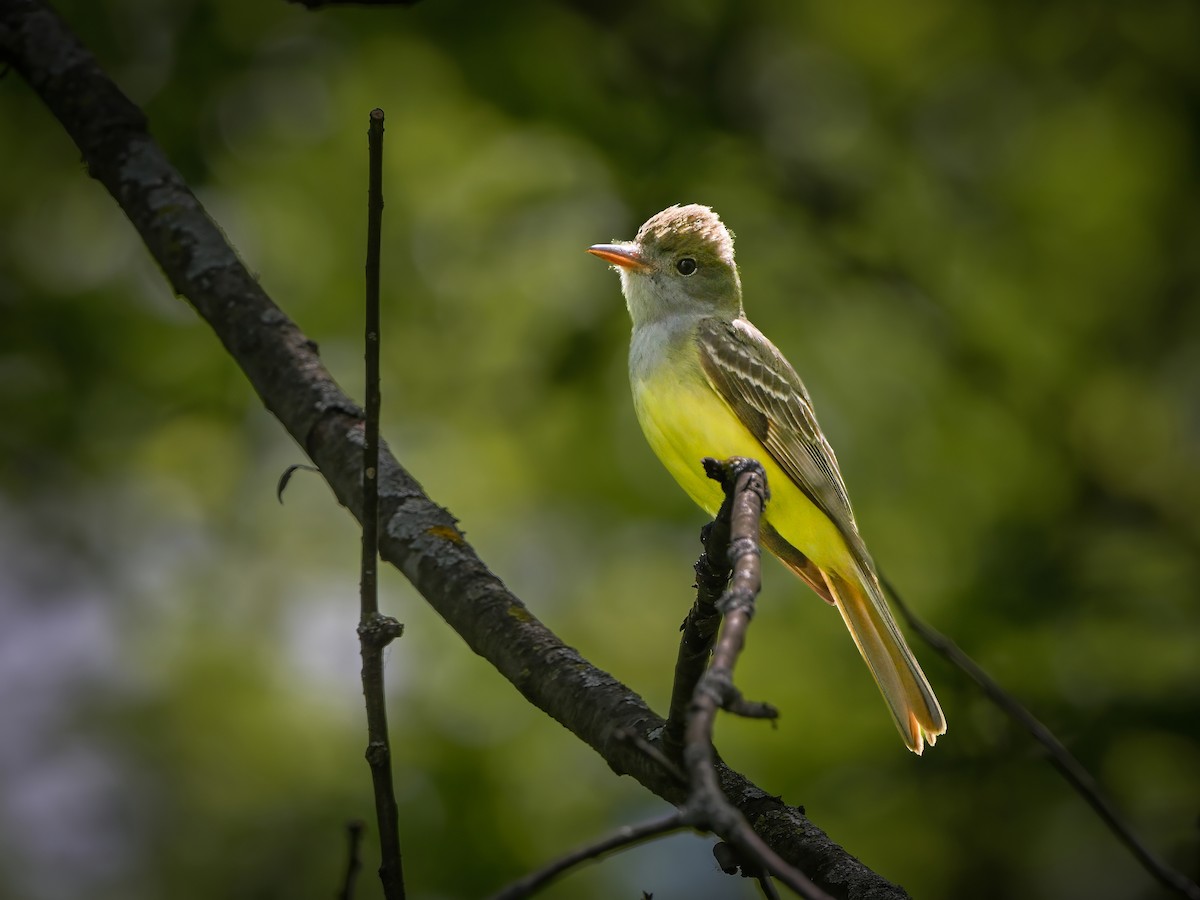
x,y
376,631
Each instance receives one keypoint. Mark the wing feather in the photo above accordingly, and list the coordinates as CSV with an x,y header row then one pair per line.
x,y
767,395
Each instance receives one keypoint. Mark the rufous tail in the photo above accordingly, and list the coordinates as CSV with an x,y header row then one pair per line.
x,y
910,698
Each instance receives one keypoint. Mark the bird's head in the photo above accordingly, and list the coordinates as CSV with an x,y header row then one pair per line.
x,y
681,262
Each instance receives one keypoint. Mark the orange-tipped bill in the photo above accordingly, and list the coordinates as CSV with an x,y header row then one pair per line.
x,y
623,255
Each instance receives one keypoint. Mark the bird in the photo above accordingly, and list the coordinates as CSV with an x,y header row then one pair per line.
x,y
707,383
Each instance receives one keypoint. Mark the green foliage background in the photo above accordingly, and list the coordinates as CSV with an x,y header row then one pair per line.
x,y
972,227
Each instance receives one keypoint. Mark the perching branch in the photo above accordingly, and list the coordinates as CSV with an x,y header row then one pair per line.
x,y
731,545
417,536
707,806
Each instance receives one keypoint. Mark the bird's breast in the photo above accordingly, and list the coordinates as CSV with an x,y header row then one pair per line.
x,y
684,420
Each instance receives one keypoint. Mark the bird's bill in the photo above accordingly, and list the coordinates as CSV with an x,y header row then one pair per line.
x,y
623,255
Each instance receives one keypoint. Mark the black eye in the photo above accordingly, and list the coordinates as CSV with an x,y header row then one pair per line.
x,y
686,266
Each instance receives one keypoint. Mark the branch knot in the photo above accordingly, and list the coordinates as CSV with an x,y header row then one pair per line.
x,y
379,630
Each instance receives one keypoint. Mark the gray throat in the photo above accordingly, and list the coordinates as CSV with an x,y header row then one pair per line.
x,y
659,341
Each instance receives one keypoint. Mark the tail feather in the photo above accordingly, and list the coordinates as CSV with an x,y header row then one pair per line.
x,y
910,698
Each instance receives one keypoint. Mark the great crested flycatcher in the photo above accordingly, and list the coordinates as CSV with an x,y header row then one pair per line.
x,y
706,382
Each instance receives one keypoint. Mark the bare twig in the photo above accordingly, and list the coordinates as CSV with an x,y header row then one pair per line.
x,y
731,545
376,631
707,806
623,837
1060,757
354,834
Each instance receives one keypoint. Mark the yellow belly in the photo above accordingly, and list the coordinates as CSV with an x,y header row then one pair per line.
x,y
685,420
